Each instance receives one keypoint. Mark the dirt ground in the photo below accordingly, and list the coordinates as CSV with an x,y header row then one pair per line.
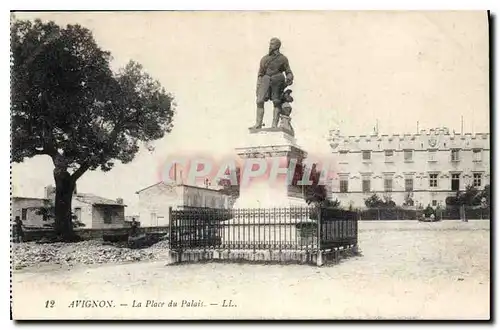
x,y
406,270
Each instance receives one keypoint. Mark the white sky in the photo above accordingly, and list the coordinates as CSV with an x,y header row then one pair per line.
x,y
351,68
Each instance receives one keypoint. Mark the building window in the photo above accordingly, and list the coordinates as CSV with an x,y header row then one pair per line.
x,y
434,202
154,220
388,184
477,155
455,155
107,216
433,180
408,184
477,180
366,184
408,155
344,185
389,156
24,212
342,156
455,182
367,155
432,155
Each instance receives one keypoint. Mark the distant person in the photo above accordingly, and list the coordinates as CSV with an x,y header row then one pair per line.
x,y
18,230
134,229
428,212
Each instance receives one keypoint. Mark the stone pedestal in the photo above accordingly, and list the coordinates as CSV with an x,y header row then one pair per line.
x,y
274,146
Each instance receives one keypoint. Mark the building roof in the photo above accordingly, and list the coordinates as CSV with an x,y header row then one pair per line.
x,y
96,200
30,198
200,187
178,185
153,185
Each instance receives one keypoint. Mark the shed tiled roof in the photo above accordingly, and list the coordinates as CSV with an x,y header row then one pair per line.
x,y
96,200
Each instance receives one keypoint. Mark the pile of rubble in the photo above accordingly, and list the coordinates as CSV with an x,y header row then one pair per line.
x,y
85,252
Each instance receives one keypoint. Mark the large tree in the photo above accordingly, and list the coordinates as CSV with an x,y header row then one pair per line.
x,y
68,104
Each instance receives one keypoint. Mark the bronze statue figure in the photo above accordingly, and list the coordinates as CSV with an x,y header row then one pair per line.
x,y
273,77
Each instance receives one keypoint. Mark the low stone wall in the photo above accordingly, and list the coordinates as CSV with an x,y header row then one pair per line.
x,y
99,233
37,234
88,234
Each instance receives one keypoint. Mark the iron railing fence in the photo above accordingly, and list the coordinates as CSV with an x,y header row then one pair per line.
x,y
281,229
339,228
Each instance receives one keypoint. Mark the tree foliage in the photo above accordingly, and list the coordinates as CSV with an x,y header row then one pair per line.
x,y
486,195
48,212
68,104
317,193
408,202
470,197
375,201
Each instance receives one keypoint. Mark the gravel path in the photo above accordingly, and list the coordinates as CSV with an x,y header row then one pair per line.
x,y
407,270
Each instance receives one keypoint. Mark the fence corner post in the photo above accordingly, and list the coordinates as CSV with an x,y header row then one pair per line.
x,y
319,258
170,227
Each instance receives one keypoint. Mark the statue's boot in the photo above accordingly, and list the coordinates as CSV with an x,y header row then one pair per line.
x,y
276,117
259,119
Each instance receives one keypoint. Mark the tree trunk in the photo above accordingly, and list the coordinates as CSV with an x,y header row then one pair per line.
x,y
65,186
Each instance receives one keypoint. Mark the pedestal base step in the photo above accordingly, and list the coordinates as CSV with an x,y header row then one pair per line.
x,y
246,256
264,256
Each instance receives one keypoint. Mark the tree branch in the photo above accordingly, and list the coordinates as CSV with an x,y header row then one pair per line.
x,y
79,172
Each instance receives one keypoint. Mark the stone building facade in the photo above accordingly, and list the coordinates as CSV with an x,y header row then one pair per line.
x,y
425,167
93,211
26,208
155,201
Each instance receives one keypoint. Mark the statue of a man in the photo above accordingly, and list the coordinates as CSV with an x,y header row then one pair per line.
x,y
273,77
